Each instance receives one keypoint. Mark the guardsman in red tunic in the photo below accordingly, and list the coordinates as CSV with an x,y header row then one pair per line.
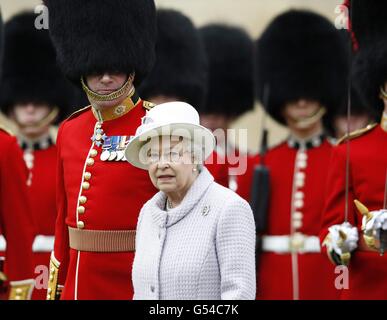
x,y
26,99
180,70
355,218
301,69
108,48
230,93
16,225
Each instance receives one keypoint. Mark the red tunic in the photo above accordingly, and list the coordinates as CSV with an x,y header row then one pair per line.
x,y
295,206
16,225
116,193
368,165
41,161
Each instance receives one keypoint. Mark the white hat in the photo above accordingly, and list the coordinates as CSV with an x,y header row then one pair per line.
x,y
170,119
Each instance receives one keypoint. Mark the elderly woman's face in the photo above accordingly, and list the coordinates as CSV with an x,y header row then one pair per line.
x,y
170,164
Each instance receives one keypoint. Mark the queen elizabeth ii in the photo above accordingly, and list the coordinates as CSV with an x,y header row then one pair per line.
x,y
195,239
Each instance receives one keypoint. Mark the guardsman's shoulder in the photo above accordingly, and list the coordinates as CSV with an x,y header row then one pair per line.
x,y
357,133
147,105
6,130
78,113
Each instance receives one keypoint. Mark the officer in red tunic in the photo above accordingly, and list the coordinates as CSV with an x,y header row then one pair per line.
x,y
301,69
180,71
108,48
230,93
16,225
25,98
354,222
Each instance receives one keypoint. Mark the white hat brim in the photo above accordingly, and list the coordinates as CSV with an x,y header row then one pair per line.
x,y
198,135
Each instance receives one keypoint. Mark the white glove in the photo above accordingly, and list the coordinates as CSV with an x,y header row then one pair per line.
x,y
341,245
373,226
378,222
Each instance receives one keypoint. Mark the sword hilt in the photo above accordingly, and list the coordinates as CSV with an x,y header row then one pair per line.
x,y
383,241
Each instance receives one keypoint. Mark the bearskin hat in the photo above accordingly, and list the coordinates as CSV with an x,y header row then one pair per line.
x,y
301,55
181,66
230,55
30,72
1,42
369,25
97,36
357,105
368,20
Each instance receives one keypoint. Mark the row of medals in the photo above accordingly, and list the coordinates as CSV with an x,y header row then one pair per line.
x,y
114,152
113,146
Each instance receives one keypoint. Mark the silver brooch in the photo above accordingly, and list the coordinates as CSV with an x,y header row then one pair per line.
x,y
205,210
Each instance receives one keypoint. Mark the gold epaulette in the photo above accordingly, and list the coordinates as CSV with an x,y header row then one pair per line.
x,y
148,105
356,133
5,129
76,113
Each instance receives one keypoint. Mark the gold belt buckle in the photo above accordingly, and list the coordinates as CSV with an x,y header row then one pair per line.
x,y
296,242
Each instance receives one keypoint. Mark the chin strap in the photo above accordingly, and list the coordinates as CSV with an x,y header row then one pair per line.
x,y
383,121
303,123
107,97
383,93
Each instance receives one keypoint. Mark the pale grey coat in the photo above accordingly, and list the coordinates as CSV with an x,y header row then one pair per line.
x,y
202,249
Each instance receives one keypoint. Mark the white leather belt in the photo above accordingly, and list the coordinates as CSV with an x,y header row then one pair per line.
x,y
3,243
297,242
41,243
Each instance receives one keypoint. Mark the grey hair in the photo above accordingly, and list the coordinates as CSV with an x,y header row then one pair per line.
x,y
196,151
